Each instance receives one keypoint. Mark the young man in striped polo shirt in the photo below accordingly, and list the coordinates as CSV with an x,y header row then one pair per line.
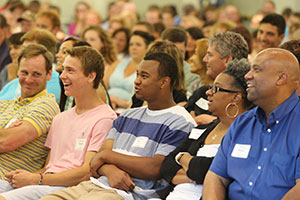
x,y
127,165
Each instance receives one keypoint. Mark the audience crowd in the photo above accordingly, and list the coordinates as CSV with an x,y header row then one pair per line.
x,y
198,103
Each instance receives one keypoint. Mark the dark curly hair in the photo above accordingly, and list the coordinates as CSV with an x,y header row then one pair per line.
x,y
237,69
293,46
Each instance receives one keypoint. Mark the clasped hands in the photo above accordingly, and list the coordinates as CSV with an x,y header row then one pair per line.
x,y
117,178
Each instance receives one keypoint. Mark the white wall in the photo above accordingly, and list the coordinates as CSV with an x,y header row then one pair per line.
x,y
246,7
249,7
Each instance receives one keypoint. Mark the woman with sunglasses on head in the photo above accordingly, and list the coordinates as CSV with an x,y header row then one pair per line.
x,y
186,167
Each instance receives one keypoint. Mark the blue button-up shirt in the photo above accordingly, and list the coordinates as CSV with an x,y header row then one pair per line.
x,y
261,159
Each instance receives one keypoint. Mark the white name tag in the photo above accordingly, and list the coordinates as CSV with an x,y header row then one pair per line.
x,y
196,133
140,142
202,103
241,150
80,143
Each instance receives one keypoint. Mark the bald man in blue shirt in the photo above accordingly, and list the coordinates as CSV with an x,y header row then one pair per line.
x,y
259,155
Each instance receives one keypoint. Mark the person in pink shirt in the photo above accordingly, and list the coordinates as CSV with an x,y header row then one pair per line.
x,y
75,135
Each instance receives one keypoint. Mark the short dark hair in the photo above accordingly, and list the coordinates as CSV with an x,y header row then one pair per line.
x,y
159,27
148,26
237,69
146,36
195,32
174,34
292,46
33,50
167,66
73,39
15,39
275,20
91,61
3,22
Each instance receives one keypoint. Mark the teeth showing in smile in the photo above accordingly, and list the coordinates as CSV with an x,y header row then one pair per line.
x,y
249,85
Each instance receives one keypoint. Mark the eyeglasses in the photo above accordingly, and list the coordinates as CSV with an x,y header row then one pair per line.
x,y
214,89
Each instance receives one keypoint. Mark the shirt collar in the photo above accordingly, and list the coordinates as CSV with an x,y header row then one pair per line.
x,y
30,99
280,112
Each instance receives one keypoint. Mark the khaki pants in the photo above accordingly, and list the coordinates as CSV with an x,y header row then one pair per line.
x,y
85,190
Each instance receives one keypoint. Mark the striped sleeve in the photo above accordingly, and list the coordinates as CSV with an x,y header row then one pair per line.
x,y
42,112
3,106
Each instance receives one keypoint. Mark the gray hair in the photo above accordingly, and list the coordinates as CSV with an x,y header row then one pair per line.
x,y
230,44
237,69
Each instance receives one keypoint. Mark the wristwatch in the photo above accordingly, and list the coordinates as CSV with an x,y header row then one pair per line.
x,y
178,157
41,180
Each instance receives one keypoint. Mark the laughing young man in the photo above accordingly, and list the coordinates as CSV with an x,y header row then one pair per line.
x,y
75,135
127,166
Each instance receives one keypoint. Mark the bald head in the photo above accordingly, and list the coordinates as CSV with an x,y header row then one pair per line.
x,y
272,79
282,61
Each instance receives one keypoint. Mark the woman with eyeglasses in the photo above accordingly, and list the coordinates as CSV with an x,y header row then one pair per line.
x,y
186,167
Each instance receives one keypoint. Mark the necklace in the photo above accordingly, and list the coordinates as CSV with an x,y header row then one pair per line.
x,y
214,137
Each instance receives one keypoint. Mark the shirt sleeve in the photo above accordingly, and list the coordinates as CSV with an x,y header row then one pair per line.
x,y
50,136
169,167
41,114
113,133
174,137
100,131
297,167
3,106
198,167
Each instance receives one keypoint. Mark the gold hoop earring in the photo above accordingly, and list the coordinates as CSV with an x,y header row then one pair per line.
x,y
236,113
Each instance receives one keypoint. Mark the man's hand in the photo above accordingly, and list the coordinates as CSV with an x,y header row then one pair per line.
x,y
9,176
15,124
20,178
97,162
119,179
204,119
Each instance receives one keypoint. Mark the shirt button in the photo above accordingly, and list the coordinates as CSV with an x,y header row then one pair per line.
x,y
277,122
269,130
250,183
259,167
265,149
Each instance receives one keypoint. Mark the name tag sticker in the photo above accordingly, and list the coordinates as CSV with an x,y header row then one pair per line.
x,y
80,143
241,150
140,142
196,133
202,103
